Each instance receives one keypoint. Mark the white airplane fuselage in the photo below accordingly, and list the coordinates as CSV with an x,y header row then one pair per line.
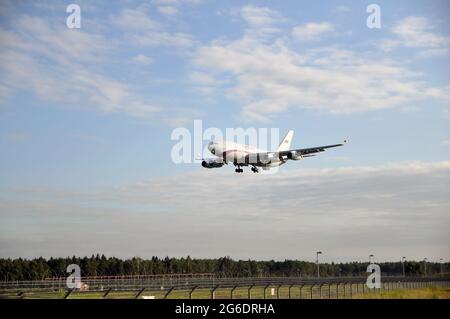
x,y
232,152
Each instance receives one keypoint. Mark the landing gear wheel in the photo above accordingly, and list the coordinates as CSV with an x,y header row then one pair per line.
x,y
254,169
238,169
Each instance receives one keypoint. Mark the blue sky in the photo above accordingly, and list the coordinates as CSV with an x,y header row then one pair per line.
x,y
90,111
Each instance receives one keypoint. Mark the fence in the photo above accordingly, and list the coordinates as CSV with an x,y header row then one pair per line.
x,y
211,287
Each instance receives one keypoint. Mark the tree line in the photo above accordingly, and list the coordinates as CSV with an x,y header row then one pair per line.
x,y
99,265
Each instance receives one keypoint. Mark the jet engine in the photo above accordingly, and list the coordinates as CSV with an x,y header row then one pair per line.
x,y
212,163
294,156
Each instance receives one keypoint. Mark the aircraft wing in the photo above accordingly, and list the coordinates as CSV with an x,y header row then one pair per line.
x,y
294,154
308,151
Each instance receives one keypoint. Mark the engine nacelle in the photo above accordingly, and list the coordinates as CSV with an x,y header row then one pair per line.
x,y
212,163
294,156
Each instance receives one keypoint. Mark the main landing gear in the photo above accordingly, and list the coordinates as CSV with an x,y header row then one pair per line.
x,y
240,170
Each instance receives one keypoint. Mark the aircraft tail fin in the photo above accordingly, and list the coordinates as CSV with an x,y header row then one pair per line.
x,y
286,142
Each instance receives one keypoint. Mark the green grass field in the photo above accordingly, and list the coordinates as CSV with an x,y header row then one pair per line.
x,y
432,292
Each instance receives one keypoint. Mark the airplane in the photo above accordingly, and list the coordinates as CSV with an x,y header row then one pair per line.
x,y
245,155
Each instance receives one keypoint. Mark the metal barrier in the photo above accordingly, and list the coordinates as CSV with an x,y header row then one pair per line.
x,y
339,287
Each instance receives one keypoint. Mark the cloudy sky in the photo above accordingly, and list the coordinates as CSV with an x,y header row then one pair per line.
x,y
86,117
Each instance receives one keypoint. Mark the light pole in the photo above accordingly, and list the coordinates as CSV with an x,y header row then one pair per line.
x,y
317,261
441,261
370,259
403,265
425,266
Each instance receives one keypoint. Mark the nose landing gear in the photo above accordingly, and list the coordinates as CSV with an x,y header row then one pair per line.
x,y
254,169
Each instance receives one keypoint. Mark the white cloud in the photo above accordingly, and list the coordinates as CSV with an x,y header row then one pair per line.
x,y
260,16
177,39
430,53
142,59
136,19
176,2
71,67
417,32
36,35
205,83
168,10
58,64
398,207
311,31
272,78
171,7
4,92
166,2
142,30
267,76
203,78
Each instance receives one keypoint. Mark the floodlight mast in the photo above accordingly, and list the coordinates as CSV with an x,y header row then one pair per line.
x,y
403,265
425,266
317,262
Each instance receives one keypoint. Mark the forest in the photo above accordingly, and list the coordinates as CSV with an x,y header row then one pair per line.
x,y
99,265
